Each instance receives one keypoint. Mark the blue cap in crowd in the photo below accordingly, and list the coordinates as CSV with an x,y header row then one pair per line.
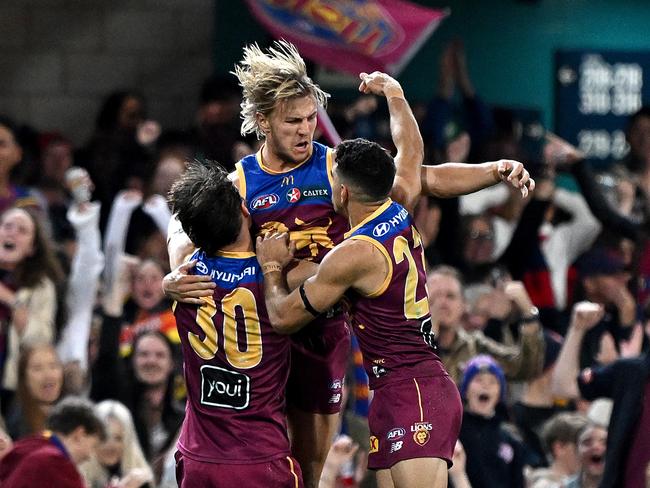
x,y
483,364
600,261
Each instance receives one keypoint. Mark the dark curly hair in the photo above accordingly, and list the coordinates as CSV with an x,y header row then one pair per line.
x,y
366,166
207,205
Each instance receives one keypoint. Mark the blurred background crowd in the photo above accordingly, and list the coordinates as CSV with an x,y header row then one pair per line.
x,y
83,252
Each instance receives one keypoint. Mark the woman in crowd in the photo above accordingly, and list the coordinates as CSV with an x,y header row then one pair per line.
x,y
29,275
118,460
40,383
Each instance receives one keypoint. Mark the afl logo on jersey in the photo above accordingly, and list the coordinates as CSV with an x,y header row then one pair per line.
x,y
381,229
265,201
293,195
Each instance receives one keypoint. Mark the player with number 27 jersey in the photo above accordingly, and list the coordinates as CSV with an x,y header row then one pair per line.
x,y
393,326
236,367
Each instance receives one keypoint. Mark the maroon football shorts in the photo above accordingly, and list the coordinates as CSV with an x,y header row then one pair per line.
x,y
281,473
319,357
414,418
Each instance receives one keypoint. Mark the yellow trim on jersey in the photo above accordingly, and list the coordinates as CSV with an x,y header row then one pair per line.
x,y
376,213
383,250
260,161
293,472
417,387
236,254
241,176
329,161
174,303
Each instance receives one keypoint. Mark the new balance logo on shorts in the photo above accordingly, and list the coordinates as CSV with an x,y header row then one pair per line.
x,y
223,388
396,446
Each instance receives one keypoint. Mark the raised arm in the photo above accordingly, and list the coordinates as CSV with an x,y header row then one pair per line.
x,y
352,264
454,179
564,383
406,137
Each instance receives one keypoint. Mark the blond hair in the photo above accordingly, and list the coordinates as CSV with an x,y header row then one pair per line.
x,y
270,77
95,474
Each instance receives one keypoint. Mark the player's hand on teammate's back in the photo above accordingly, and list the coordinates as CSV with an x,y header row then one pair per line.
x,y
379,83
275,248
183,287
513,172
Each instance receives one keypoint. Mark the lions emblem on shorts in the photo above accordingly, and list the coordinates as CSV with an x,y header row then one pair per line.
x,y
421,437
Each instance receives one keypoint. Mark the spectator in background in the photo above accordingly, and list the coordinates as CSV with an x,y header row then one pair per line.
x,y
592,444
494,456
443,121
456,346
627,382
217,131
118,153
29,275
51,459
40,384
118,461
11,154
603,280
560,436
144,382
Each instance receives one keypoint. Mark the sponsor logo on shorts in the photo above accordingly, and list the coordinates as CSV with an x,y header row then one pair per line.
x,y
381,229
395,434
396,446
223,388
336,385
293,195
374,445
421,432
378,371
336,398
265,201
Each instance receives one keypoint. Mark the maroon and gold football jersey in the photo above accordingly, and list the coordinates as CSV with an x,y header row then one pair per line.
x,y
235,367
393,324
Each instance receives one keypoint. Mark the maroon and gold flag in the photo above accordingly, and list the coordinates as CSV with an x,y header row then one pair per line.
x,y
351,35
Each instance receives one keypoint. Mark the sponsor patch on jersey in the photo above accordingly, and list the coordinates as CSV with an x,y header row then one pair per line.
x,y
293,195
223,388
315,192
201,267
381,229
395,434
374,445
265,201
336,398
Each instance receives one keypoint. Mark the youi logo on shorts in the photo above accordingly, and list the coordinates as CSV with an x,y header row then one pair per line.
x,y
381,229
265,201
223,388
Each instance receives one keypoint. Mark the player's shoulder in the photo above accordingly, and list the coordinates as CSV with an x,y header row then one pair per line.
x,y
353,256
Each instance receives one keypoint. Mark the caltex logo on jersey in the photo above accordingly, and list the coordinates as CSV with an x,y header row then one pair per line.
x,y
293,195
265,201
381,229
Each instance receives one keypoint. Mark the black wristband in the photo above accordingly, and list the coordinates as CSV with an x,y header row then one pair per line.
x,y
305,302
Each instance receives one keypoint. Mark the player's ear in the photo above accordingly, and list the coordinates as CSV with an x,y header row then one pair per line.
x,y
244,209
263,122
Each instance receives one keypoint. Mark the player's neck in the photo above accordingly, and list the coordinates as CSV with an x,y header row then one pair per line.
x,y
243,243
274,161
360,211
